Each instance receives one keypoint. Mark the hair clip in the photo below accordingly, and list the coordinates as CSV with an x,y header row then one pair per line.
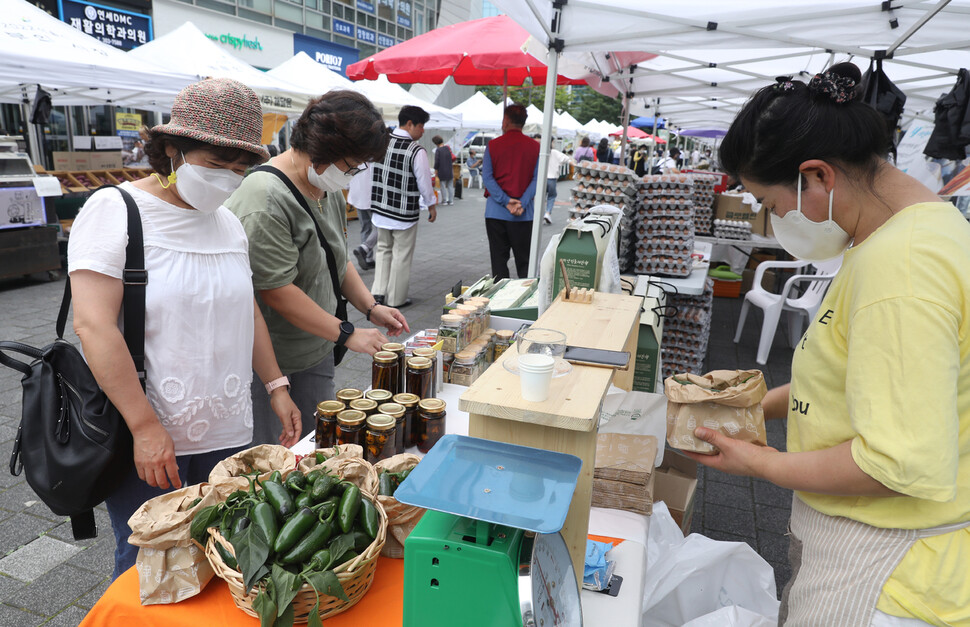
x,y
839,88
784,83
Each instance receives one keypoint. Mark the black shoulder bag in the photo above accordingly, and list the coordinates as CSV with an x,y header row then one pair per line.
x,y
73,443
338,351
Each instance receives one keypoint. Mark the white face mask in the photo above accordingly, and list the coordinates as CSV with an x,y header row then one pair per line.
x,y
332,179
808,240
206,189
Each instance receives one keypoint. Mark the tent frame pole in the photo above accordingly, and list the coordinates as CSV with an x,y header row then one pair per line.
x,y
545,145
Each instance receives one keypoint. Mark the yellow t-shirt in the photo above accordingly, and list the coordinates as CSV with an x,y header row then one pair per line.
x,y
886,364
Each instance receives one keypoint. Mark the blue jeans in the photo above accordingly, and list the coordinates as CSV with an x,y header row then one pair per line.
x,y
550,194
133,492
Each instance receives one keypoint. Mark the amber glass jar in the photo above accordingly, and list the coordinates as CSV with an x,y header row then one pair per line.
x,y
410,404
398,349
385,372
431,412
379,396
432,355
419,377
349,394
379,438
397,412
326,416
365,405
350,427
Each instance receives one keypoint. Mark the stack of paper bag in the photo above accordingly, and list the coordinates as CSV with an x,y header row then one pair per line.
x,y
623,474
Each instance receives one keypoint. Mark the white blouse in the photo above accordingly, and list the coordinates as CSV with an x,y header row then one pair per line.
x,y
198,311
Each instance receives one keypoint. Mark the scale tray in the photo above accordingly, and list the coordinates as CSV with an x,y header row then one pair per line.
x,y
506,484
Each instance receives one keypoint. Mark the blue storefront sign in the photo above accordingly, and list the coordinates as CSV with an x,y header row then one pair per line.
x,y
363,5
333,56
366,35
341,27
384,41
404,13
115,27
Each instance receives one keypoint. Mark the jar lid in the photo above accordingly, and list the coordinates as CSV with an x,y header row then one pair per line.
x,y
351,417
434,405
470,307
450,319
505,334
419,363
490,332
480,299
460,313
381,422
348,394
330,408
407,399
392,409
381,396
363,404
394,347
424,351
385,357
465,355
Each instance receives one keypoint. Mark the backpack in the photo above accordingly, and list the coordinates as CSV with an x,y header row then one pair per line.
x,y
72,442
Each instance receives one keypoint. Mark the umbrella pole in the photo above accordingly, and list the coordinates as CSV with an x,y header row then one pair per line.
x,y
552,72
505,89
656,144
626,125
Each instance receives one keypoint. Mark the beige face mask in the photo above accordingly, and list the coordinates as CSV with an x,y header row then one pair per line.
x,y
808,240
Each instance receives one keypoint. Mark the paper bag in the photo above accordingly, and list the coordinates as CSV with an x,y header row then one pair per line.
x,y
265,457
728,401
401,518
341,451
349,464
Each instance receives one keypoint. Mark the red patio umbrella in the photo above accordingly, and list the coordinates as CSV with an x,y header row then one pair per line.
x,y
632,132
487,51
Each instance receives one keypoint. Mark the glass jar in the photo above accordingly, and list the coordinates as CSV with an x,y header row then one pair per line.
x,y
485,304
474,319
398,413
432,355
462,371
465,337
349,394
350,427
419,377
398,349
379,396
490,348
385,373
449,332
410,404
431,412
503,339
365,405
326,415
379,438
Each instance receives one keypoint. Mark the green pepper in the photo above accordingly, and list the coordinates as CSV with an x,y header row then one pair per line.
x,y
194,502
294,529
320,457
230,518
360,539
320,560
275,476
264,517
404,474
369,518
235,497
322,488
240,523
325,510
314,475
303,500
386,484
279,497
348,508
296,481
226,556
310,543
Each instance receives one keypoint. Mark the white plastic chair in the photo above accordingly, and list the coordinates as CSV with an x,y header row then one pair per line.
x,y
801,307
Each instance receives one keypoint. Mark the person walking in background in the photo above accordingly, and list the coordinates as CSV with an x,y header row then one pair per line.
x,y
510,172
443,170
639,161
556,160
402,187
603,152
585,152
474,164
358,197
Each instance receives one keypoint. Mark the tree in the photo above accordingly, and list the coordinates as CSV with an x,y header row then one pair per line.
x,y
527,94
589,104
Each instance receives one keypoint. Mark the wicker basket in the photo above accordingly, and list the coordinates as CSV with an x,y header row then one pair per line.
x,y
355,576
401,518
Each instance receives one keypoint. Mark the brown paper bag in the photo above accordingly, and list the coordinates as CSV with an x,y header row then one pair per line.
x,y
401,518
342,451
264,457
728,401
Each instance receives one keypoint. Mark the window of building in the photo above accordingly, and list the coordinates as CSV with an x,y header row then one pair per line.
x,y
263,6
384,27
254,16
315,20
283,10
366,50
489,9
319,33
337,11
222,7
419,23
337,39
285,24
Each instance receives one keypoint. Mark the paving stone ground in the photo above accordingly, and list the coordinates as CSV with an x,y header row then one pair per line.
x,y
47,578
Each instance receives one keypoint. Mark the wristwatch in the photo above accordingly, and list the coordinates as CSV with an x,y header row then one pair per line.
x,y
277,383
346,330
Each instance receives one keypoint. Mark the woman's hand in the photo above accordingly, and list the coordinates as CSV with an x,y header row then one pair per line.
x,y
289,415
389,318
366,340
735,457
155,456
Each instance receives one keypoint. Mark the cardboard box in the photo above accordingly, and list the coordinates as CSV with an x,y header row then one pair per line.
x,y
103,160
675,483
762,224
63,161
731,207
81,162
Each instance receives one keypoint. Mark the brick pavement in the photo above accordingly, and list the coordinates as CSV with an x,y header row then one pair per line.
x,y
48,578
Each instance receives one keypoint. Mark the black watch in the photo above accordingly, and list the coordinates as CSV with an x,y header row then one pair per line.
x,y
346,330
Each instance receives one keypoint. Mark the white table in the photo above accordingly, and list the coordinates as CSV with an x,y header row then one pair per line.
x,y
756,241
692,285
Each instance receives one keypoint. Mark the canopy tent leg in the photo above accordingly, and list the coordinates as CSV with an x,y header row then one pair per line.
x,y
552,72
656,144
626,125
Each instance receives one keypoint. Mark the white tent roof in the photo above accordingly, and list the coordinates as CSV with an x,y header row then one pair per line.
x,y
188,50
390,97
75,68
301,70
567,124
478,112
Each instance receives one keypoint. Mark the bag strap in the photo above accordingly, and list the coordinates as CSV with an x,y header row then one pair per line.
x,y
23,349
135,279
331,258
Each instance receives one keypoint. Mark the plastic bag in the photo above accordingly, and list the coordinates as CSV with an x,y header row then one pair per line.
x,y
637,413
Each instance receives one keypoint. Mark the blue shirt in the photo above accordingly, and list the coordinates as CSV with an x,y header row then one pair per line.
x,y
495,204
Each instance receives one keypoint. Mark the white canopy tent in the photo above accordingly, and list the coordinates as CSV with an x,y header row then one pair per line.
x,y
390,97
301,70
568,125
480,113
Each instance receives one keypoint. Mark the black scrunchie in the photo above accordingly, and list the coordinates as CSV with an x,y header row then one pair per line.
x,y
838,88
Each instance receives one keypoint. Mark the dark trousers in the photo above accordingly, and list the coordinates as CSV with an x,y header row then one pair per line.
x,y
503,236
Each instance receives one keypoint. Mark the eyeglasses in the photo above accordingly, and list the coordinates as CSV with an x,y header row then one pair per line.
x,y
354,171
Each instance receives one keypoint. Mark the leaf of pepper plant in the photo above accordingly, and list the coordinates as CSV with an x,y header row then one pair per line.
x,y
284,582
252,550
326,583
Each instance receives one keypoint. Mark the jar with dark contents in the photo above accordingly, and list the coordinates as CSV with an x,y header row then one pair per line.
x,y
419,377
349,394
395,411
409,402
398,349
385,373
326,415
432,355
431,412
350,427
378,396
379,438
365,405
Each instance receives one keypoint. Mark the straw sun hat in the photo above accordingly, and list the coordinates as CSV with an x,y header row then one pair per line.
x,y
218,111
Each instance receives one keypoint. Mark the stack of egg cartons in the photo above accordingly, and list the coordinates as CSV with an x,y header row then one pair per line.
x,y
603,184
686,332
703,201
664,225
732,229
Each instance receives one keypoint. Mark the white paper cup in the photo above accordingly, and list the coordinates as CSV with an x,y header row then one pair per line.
x,y
535,376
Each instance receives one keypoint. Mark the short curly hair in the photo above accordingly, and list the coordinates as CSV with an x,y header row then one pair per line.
x,y
341,124
155,144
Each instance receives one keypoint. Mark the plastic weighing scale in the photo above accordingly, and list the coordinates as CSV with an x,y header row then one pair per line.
x,y
488,552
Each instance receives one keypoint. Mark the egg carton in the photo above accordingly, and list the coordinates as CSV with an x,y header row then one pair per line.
x,y
666,181
732,229
657,193
669,245
606,171
683,209
664,267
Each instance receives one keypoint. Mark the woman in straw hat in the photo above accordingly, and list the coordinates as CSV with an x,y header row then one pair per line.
x,y
204,335
294,214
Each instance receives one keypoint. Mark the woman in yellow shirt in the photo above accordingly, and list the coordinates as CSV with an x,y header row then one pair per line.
x,y
879,403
